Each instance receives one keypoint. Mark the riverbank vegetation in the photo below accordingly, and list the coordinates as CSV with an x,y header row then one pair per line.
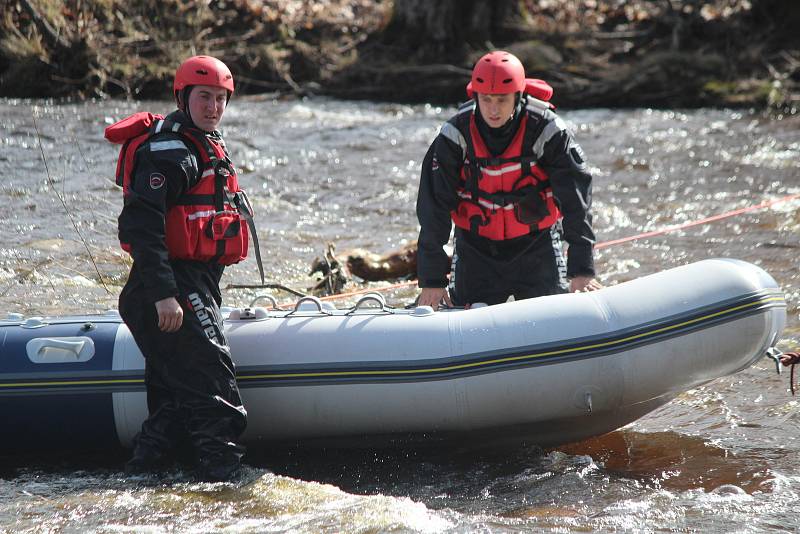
x,y
663,53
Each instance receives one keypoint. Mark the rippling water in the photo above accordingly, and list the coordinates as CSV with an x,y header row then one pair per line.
x,y
720,458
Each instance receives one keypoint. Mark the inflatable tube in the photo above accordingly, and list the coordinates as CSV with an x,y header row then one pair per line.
x,y
550,370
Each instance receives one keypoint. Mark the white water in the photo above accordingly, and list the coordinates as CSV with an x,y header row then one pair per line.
x,y
721,458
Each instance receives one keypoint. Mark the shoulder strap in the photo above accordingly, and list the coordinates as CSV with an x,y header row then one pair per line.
x,y
222,169
472,171
197,137
243,206
125,161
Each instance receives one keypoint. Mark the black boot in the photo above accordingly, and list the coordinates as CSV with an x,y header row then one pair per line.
x,y
145,460
218,467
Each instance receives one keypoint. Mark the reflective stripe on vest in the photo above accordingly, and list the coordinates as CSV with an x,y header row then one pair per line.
x,y
503,197
208,222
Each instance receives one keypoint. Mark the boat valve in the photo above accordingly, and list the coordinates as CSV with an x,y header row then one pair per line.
x,y
587,398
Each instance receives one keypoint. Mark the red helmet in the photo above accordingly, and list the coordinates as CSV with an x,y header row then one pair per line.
x,y
497,73
203,70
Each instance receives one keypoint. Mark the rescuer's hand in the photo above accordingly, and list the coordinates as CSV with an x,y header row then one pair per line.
x,y
170,314
432,296
584,283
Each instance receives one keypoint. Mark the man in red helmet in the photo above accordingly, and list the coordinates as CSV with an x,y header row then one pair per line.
x,y
182,222
508,173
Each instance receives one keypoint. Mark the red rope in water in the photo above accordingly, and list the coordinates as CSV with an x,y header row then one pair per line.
x,y
706,220
790,358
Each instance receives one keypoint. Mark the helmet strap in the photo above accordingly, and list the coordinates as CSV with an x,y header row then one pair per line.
x,y
517,106
183,100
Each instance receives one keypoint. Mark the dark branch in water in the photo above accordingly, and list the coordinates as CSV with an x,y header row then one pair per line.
x,y
64,204
266,286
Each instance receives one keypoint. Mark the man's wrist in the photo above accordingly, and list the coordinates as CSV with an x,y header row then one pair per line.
x,y
438,283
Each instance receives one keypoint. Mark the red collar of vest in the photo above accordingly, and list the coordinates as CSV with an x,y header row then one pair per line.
x,y
514,148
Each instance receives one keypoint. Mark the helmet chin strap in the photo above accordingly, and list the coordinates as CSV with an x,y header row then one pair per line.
x,y
517,107
183,101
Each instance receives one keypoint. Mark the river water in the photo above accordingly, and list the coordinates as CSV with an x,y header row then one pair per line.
x,y
720,458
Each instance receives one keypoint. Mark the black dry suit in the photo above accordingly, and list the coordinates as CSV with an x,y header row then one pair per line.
x,y
192,394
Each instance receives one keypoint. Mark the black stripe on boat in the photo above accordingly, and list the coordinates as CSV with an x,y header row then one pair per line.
x,y
511,358
423,369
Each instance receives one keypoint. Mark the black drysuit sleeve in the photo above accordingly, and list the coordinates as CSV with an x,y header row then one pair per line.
x,y
565,164
436,198
164,168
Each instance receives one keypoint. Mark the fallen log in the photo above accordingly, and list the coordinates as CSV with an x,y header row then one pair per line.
x,y
363,265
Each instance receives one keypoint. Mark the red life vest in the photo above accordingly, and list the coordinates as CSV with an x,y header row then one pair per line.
x,y
207,222
506,196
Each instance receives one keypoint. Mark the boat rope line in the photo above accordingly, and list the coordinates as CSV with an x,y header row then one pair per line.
x,y
606,244
438,369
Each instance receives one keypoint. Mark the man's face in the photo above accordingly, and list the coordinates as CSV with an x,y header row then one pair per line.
x,y
206,106
496,109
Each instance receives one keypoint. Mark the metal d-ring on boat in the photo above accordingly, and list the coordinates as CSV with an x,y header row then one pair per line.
x,y
272,300
362,304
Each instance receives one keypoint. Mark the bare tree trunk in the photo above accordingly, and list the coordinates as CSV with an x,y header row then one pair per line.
x,y
447,29
427,51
